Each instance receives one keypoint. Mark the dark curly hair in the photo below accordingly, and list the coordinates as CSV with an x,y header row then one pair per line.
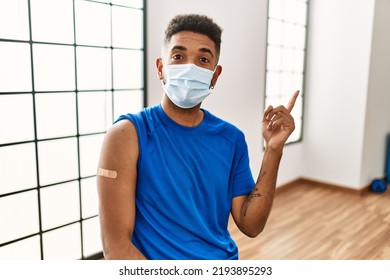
x,y
195,23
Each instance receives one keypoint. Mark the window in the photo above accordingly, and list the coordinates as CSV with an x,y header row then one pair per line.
x,y
286,53
68,69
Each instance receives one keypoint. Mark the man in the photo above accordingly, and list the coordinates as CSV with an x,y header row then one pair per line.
x,y
170,176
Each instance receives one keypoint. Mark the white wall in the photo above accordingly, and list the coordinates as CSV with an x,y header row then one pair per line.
x,y
377,123
346,103
336,86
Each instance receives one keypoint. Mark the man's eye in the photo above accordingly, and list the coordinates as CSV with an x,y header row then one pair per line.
x,y
204,60
177,56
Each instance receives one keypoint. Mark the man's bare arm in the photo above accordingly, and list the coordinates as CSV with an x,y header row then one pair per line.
x,y
250,212
116,183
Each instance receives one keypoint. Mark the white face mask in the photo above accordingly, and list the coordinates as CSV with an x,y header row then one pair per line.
x,y
187,85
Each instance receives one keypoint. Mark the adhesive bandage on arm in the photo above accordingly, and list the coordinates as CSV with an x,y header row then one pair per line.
x,y
107,173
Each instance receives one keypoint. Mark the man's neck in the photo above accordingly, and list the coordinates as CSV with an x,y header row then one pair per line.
x,y
186,117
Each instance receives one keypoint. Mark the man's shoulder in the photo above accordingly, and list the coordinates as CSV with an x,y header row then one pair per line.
x,y
141,116
224,127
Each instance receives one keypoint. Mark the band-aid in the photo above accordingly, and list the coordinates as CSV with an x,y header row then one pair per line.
x,y
107,173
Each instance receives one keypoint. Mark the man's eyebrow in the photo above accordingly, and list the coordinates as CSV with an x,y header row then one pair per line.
x,y
178,47
182,48
206,50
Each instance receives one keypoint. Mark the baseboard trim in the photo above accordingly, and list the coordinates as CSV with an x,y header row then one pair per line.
x,y
320,184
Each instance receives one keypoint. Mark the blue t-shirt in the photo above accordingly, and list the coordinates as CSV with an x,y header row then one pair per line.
x,y
187,177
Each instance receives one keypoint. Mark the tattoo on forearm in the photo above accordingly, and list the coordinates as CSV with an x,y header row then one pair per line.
x,y
254,193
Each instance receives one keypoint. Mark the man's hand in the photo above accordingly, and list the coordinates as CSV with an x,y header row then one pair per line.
x,y
278,124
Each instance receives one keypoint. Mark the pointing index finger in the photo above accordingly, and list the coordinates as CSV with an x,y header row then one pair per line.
x,y
291,103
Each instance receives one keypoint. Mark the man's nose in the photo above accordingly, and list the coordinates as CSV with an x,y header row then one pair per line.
x,y
191,61
194,61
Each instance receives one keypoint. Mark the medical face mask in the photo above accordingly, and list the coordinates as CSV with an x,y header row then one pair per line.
x,y
187,85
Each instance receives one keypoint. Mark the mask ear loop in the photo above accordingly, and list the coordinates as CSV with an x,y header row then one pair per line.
x,y
212,86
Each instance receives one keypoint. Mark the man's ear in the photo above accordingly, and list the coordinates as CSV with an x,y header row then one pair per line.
x,y
217,72
159,66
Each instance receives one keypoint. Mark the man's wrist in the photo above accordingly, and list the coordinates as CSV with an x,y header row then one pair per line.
x,y
277,149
